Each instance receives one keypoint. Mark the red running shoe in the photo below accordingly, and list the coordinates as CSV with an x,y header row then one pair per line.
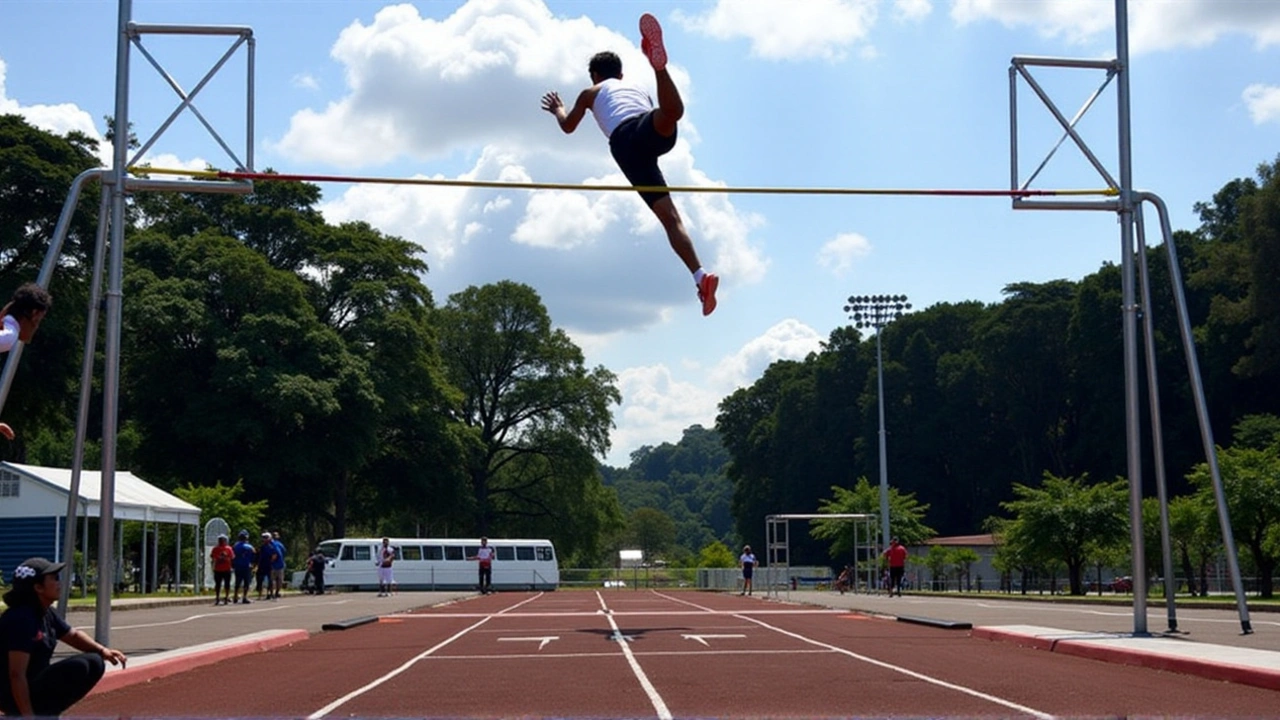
x,y
707,292
651,42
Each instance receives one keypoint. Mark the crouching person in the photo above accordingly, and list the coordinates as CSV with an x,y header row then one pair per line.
x,y
29,631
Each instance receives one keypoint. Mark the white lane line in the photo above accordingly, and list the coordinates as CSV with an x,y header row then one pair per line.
x,y
652,653
659,706
357,693
887,666
627,613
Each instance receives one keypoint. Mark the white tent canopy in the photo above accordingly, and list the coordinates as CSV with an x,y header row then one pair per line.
x,y
135,498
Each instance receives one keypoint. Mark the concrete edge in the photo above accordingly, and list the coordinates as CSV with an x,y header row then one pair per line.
x,y
935,622
349,623
1094,650
150,668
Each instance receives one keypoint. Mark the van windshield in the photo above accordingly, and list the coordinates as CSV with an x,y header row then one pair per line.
x,y
330,549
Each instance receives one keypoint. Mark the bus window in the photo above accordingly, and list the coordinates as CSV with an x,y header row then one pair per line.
x,y
453,552
524,552
411,552
472,550
330,549
545,554
362,552
432,552
348,552
506,552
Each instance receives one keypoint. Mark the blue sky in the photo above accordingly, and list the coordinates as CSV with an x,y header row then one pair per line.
x,y
838,93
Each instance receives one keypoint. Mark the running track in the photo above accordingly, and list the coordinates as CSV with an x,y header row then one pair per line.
x,y
665,654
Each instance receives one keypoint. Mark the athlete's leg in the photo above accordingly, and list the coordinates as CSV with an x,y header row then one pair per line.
x,y
670,105
679,238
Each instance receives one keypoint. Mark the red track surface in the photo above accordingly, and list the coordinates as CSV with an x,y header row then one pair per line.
x,y
678,654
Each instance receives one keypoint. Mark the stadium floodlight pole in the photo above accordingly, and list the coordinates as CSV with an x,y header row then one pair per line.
x,y
876,311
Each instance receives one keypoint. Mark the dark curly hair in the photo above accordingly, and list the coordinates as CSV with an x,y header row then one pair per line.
x,y
28,299
605,64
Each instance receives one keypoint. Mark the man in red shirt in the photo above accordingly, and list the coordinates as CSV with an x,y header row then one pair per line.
x,y
897,556
222,556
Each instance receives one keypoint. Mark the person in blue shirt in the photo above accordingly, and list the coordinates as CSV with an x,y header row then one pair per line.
x,y
242,565
29,631
267,553
277,566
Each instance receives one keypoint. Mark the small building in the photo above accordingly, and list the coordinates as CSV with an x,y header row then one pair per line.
x,y
982,571
33,509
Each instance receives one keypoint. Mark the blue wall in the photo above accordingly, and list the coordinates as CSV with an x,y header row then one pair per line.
x,y
21,538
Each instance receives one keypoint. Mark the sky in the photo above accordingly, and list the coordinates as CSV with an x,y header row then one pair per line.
x,y
778,93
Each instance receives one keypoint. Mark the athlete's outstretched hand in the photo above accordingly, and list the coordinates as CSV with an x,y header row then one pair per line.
x,y
551,102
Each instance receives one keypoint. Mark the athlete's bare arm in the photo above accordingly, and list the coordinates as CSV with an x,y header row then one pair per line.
x,y
569,119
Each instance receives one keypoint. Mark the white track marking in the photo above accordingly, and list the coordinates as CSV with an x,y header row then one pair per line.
x,y
197,616
626,613
887,666
659,706
651,653
357,693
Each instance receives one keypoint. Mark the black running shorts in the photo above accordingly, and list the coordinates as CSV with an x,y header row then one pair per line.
x,y
636,145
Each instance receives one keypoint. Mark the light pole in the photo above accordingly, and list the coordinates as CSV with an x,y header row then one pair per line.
x,y
876,311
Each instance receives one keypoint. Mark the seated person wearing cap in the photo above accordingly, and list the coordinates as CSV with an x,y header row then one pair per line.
x,y
30,630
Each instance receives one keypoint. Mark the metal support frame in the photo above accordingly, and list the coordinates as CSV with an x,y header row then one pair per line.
x,y
109,252
1133,261
778,543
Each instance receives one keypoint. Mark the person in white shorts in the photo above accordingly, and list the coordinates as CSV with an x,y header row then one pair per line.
x,y
386,557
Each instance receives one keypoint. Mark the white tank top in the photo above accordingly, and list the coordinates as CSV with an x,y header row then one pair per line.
x,y
616,101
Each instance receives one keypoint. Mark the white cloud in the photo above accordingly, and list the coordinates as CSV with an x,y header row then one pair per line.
x,y
839,253
912,9
787,340
305,81
657,407
1153,24
1263,102
789,30
58,119
420,87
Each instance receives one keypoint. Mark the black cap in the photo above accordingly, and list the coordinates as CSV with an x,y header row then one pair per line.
x,y
32,569
244,533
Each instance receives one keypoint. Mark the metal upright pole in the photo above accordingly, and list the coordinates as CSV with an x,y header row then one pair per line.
x,y
111,375
1130,311
86,389
884,462
1157,424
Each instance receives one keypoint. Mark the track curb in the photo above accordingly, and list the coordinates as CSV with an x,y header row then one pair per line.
x,y
152,667
1104,648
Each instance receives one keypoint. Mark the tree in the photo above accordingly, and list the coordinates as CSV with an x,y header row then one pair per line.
x,y
1065,517
906,517
652,531
36,171
538,414
227,373
1251,484
224,501
716,555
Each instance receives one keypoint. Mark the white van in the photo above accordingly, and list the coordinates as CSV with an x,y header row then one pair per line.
x,y
439,564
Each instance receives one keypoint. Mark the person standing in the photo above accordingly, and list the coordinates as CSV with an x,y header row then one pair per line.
x,y
245,556
19,320
277,566
638,134
747,561
484,564
223,557
315,565
266,558
896,554
386,558
30,630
